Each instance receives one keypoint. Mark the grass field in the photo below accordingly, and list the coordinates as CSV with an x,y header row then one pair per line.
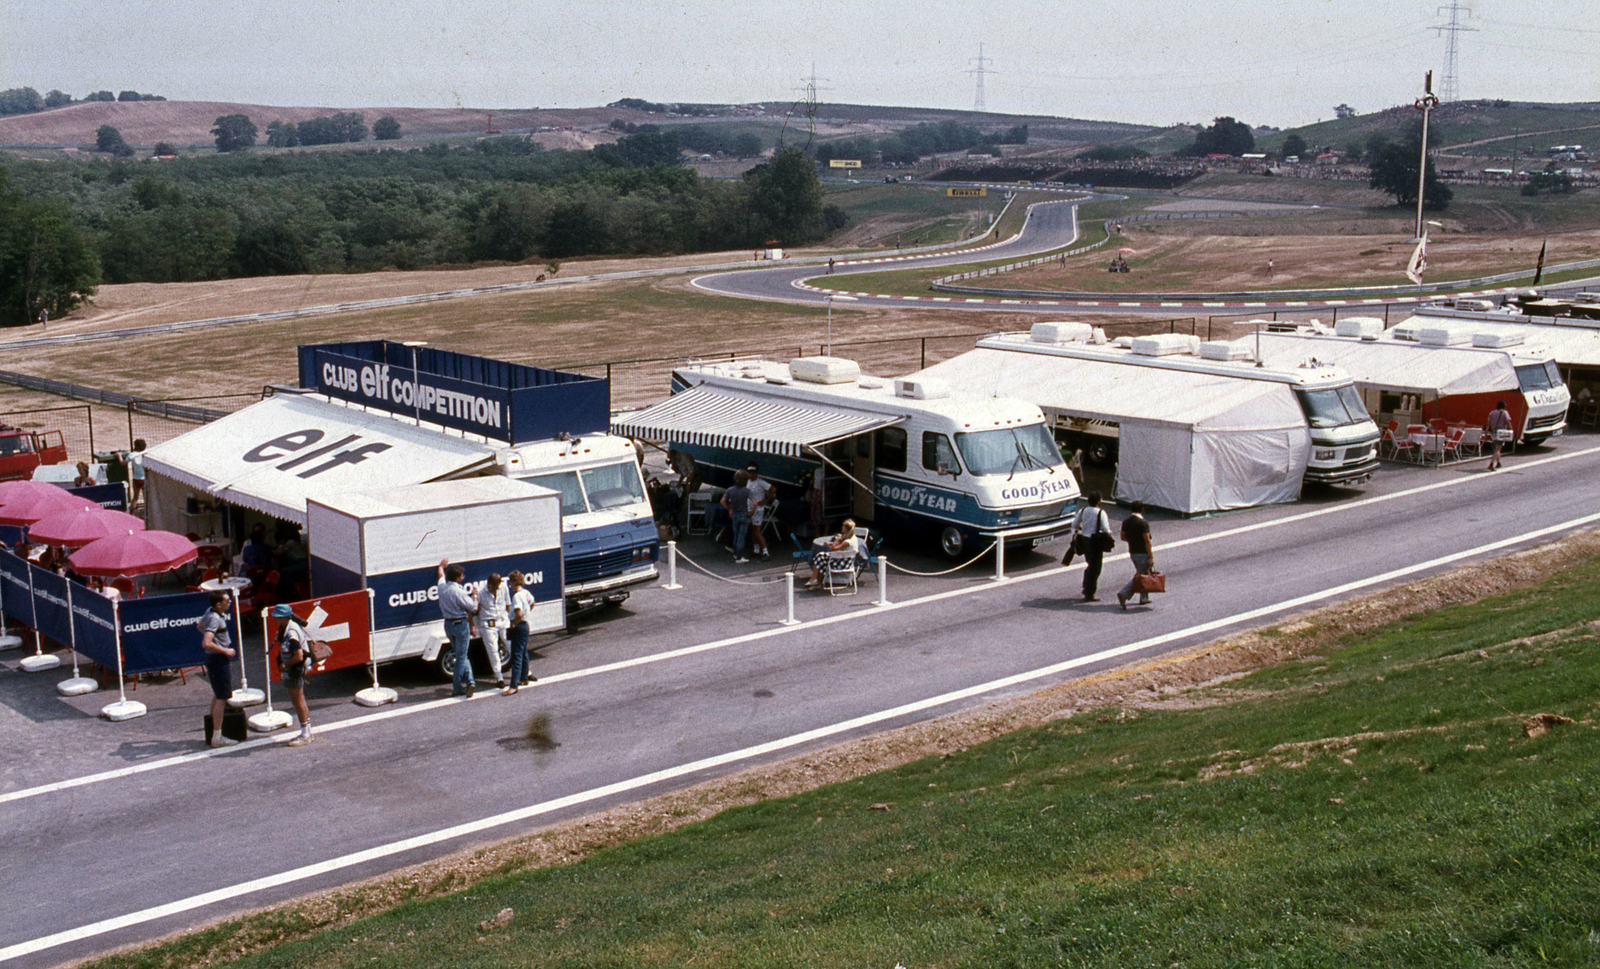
x,y
893,215
1422,793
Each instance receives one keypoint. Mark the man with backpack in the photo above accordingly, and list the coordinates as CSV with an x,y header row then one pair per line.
x,y
1092,538
295,659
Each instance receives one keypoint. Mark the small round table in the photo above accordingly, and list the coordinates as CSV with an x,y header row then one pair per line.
x,y
232,582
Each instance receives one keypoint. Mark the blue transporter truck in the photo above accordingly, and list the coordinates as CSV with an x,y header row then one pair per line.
x,y
546,427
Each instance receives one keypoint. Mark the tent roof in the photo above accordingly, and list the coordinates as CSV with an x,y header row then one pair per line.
x,y
274,455
1110,391
1401,367
728,418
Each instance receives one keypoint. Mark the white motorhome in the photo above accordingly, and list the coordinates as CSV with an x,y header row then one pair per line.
x,y
1193,427
907,454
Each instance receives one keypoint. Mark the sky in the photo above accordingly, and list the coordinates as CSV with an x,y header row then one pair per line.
x,y
1267,62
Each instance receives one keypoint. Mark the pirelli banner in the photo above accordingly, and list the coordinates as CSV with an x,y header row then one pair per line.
x,y
844,163
966,193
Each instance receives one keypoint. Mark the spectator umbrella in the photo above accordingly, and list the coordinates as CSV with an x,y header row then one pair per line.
x,y
133,553
77,528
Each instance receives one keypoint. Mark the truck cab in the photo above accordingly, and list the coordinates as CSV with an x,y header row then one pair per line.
x,y
608,532
1344,440
22,451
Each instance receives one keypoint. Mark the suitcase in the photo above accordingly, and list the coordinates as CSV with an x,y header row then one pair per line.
x,y
234,725
1146,582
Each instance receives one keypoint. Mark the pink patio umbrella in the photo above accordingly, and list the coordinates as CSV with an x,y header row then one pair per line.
x,y
17,490
133,553
75,529
30,508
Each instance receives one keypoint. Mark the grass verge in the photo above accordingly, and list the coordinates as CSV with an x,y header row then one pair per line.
x,y
1414,783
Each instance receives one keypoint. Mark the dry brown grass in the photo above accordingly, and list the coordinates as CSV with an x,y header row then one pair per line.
x,y
190,122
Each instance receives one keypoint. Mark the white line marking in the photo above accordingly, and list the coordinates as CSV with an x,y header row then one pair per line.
x,y
671,654
747,753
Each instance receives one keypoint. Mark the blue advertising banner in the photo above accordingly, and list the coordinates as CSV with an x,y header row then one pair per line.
x,y
50,605
94,622
113,496
16,596
163,632
411,598
501,400
10,535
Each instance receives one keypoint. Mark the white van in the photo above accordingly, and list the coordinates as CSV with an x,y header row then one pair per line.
x,y
908,455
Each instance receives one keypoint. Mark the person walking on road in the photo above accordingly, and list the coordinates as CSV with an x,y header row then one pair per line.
x,y
521,615
494,609
218,644
1498,427
1136,532
295,661
1091,536
457,605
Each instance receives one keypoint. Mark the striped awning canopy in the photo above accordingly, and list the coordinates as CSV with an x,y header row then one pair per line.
x,y
717,417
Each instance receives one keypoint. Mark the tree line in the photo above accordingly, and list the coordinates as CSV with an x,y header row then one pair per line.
x,y
908,146
504,199
26,100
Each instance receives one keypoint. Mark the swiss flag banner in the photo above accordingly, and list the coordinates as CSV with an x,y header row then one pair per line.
x,y
341,622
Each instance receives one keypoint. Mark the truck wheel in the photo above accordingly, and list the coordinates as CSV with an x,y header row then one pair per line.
x,y
447,661
1099,453
951,542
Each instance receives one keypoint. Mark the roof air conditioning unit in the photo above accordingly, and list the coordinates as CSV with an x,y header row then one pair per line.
x,y
921,388
1165,344
1439,336
825,370
1223,350
1359,327
1061,333
1495,341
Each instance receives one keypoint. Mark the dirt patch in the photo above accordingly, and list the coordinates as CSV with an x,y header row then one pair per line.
x,y
1127,688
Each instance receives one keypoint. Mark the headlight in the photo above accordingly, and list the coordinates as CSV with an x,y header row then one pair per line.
x,y
1324,454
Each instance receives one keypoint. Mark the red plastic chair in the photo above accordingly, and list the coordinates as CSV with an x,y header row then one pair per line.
x,y
266,592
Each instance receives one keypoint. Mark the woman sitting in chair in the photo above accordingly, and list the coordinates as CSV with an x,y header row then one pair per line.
x,y
846,540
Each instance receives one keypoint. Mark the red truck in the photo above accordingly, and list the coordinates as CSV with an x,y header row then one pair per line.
x,y
21,451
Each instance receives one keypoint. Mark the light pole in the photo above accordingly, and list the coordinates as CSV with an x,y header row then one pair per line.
x,y
831,297
1425,104
416,398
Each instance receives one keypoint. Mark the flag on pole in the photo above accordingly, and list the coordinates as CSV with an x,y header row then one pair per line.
x,y
1419,260
1538,272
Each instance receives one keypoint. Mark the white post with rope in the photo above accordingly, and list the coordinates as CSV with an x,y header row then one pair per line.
x,y
269,719
788,594
77,684
883,582
999,558
374,695
244,696
672,566
123,708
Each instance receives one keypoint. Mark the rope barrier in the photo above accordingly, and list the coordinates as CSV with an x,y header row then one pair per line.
x,y
946,571
723,578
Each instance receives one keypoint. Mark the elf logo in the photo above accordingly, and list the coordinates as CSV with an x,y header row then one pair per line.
x,y
292,445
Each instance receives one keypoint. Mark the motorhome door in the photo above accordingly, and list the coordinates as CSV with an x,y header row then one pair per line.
x,y
862,497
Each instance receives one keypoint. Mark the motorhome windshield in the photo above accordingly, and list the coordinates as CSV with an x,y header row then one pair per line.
x,y
1333,407
1008,450
596,489
1538,376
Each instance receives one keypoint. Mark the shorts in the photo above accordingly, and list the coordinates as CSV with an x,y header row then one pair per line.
x,y
219,670
758,515
294,677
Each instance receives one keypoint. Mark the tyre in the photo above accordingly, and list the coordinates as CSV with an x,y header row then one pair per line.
x,y
446,661
951,543
1100,453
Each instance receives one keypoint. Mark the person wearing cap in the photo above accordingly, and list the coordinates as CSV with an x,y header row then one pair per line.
x,y
295,660
761,496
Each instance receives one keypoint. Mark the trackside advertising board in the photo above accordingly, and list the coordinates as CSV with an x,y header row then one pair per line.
x,y
391,542
499,400
158,633
341,621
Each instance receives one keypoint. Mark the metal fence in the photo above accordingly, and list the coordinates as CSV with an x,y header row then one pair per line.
x,y
74,421
154,421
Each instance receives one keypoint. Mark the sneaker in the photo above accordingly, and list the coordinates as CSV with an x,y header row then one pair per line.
x,y
741,561
765,554
1145,601
300,741
1122,600
218,740
1089,598
729,549
471,689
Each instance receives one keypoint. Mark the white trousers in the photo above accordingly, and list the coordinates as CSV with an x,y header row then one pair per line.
x,y
493,638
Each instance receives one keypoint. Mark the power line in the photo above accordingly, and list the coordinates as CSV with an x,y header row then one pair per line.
x,y
982,69
1450,90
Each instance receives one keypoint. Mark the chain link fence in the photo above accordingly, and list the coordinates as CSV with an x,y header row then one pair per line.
x,y
154,421
75,422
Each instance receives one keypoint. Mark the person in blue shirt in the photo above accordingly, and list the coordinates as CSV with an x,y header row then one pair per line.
x,y
457,606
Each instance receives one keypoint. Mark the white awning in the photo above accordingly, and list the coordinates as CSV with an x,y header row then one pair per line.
x,y
274,455
716,417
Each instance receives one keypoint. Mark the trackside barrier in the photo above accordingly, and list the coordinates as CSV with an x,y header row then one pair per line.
x,y
672,566
788,595
1000,558
883,582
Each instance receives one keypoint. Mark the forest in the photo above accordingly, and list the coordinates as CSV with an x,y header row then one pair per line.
x,y
500,199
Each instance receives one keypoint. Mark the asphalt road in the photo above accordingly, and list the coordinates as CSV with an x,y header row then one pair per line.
x,y
682,686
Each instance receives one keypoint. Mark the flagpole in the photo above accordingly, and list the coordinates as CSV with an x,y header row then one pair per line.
x,y
1425,104
375,695
123,708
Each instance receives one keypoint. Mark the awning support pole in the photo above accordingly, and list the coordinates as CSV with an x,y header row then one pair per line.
x,y
824,459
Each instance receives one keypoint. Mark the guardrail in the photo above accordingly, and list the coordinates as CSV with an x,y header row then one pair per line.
x,y
159,408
